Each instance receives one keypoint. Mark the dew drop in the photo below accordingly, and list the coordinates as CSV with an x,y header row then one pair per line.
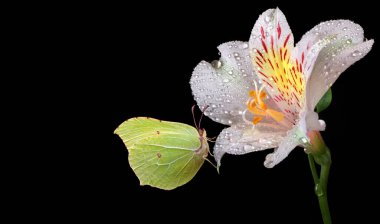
x,y
226,80
345,29
268,18
216,64
229,122
356,53
349,41
245,46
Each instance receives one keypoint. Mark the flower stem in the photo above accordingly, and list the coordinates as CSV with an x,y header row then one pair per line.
x,y
320,154
322,198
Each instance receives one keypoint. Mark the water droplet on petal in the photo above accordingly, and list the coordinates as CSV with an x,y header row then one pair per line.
x,y
268,18
356,53
245,46
344,28
226,80
216,64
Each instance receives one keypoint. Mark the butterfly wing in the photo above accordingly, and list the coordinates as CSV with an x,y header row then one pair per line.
x,y
162,154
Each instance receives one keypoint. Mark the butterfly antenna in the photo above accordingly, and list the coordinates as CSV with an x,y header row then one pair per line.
x,y
192,111
203,112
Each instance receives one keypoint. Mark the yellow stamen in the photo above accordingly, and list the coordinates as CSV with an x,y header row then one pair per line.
x,y
278,116
258,108
256,120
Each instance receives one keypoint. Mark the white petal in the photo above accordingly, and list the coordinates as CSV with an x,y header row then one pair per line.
x,y
342,32
224,87
239,140
235,55
313,123
331,62
268,24
294,137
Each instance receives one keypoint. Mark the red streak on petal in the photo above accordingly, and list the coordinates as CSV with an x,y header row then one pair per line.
x,y
296,97
263,74
264,46
270,63
278,31
302,57
274,79
286,51
261,55
262,32
259,60
259,65
286,40
268,84
281,54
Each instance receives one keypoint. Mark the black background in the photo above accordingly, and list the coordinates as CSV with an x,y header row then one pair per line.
x,y
145,55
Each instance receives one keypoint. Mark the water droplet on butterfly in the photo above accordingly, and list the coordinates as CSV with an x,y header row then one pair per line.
x,y
216,64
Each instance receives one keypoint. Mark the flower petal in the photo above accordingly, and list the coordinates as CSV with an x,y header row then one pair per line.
x,y
331,62
271,45
329,32
296,136
224,85
272,23
242,139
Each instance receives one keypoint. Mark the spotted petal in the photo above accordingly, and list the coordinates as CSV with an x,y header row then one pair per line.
x,y
224,85
242,139
271,45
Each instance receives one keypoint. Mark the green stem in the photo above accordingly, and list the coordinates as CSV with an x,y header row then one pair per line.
x,y
313,169
321,182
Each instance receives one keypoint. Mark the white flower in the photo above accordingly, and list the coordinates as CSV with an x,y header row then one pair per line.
x,y
266,89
